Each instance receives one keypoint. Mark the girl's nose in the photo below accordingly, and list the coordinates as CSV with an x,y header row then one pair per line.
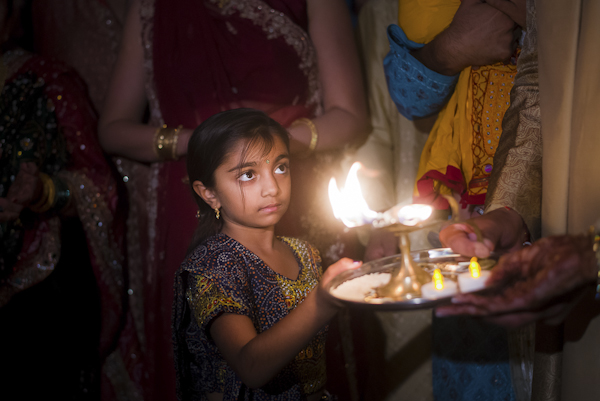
x,y
270,186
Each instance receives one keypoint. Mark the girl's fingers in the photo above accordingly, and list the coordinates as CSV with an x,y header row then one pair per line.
x,y
339,267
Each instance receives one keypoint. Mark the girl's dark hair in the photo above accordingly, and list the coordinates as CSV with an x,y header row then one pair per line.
x,y
210,144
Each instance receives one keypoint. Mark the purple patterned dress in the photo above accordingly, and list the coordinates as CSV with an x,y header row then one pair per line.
x,y
223,276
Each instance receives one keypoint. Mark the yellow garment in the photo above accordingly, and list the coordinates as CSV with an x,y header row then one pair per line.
x,y
423,20
458,155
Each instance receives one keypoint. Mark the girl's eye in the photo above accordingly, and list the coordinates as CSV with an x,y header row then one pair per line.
x,y
247,176
281,169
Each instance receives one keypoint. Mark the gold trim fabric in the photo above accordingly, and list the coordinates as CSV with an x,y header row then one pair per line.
x,y
566,198
517,176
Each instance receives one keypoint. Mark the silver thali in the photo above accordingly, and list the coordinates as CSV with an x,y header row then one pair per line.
x,y
450,264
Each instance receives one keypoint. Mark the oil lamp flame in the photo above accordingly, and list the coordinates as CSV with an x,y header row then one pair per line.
x,y
349,205
438,280
411,215
474,268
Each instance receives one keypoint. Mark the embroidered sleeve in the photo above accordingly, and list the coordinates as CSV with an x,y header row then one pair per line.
x,y
416,90
209,298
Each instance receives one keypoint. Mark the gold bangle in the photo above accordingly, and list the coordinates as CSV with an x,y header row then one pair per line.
x,y
174,143
314,135
48,196
156,140
165,141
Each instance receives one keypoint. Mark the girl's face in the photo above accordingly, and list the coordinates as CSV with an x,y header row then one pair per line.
x,y
254,191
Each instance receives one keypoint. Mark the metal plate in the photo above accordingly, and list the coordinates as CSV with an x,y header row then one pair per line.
x,y
442,258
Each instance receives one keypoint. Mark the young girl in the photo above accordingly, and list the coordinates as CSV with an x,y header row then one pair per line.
x,y
250,314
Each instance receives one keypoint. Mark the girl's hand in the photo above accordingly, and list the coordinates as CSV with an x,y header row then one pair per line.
x,y
332,271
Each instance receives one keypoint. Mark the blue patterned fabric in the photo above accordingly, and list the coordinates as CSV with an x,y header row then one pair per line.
x,y
470,361
416,90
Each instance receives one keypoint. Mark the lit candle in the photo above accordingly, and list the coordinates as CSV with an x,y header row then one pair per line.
x,y
438,288
474,279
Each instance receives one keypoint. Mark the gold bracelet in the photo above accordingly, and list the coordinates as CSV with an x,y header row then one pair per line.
x,y
48,196
314,135
156,140
165,143
174,143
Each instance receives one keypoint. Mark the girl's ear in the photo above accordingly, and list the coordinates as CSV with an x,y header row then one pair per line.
x,y
206,194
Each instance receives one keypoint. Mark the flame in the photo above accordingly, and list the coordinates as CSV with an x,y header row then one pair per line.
x,y
438,279
349,205
411,215
474,268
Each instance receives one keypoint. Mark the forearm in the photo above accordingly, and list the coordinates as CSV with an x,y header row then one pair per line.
x,y
336,129
265,355
136,141
514,231
345,118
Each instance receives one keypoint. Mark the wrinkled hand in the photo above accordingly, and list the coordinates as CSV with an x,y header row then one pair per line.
x,y
478,35
503,231
382,243
542,282
483,34
515,9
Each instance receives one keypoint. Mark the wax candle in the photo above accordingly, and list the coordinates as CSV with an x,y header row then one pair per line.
x,y
474,279
438,288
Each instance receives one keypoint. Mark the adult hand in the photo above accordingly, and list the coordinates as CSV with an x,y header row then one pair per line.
x,y
9,211
382,243
541,282
27,186
478,35
24,190
503,230
515,9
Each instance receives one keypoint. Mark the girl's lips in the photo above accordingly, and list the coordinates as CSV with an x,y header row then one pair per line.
x,y
270,208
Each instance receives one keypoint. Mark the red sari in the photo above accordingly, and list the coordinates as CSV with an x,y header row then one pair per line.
x,y
95,192
203,57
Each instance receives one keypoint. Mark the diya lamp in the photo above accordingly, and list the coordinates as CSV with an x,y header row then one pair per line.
x,y
349,206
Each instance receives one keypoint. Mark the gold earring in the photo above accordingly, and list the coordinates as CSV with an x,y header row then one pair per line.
x,y
217,213
197,214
